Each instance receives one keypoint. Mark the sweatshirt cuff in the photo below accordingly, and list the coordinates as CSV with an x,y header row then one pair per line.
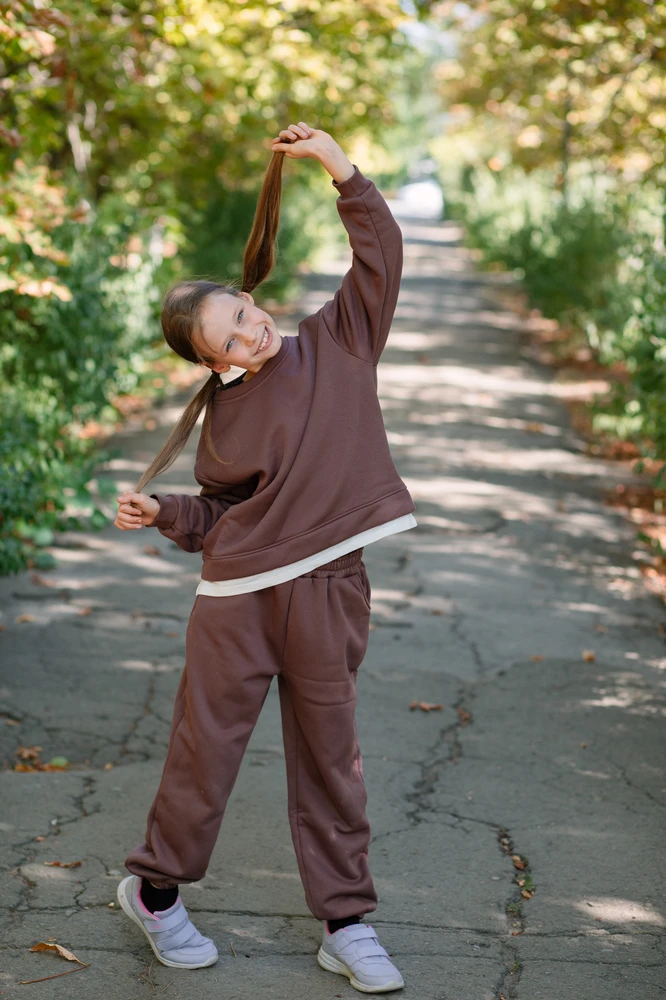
x,y
354,185
167,513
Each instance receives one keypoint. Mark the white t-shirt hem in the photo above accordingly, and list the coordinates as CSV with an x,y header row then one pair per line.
x,y
246,584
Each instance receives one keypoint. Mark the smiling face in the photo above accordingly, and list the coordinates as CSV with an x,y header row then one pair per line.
x,y
236,332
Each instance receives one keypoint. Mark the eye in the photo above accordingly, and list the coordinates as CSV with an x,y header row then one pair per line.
x,y
239,319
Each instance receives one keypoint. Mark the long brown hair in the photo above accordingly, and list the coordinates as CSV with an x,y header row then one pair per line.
x,y
181,317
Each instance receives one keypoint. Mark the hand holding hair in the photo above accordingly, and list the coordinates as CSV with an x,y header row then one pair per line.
x,y
136,510
301,141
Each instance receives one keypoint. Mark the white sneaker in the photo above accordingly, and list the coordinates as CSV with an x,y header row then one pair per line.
x,y
355,952
172,935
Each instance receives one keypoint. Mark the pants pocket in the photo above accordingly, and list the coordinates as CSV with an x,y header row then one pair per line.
x,y
362,584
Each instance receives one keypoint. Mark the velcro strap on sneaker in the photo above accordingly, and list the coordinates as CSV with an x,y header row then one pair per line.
x,y
364,938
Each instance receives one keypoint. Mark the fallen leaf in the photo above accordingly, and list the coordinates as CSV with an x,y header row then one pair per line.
x,y
32,762
589,655
108,767
536,659
151,550
584,746
561,506
464,716
437,611
58,762
84,611
40,839
534,428
172,635
41,581
63,864
425,706
526,894
601,628
59,950
11,722
24,618
518,862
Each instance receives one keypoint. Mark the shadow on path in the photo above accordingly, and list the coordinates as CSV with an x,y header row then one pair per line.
x,y
515,603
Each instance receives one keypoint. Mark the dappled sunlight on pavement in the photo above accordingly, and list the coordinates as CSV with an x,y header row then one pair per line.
x,y
518,817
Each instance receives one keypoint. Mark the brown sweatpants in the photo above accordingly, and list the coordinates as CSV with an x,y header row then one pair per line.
x,y
312,633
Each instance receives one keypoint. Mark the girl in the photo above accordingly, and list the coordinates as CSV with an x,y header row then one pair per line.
x,y
296,478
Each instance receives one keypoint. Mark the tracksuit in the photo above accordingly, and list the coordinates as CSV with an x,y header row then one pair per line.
x,y
305,482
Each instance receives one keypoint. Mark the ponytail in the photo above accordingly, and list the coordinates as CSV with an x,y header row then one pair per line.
x,y
181,318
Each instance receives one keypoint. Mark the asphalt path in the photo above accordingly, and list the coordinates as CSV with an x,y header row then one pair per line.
x,y
517,829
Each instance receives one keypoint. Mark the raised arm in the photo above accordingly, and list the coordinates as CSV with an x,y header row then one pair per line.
x,y
360,313
186,519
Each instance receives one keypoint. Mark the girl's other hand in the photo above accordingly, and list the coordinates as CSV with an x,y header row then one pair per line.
x,y
136,510
301,141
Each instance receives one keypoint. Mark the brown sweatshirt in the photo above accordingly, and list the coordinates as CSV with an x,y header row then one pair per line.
x,y
310,461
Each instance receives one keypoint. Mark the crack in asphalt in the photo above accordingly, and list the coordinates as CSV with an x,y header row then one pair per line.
x,y
25,896
457,619
146,710
513,967
636,788
446,750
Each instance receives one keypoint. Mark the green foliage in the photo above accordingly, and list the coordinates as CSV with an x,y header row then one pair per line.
x,y
552,83
597,266
216,230
638,409
129,127
155,98
557,128
61,361
568,255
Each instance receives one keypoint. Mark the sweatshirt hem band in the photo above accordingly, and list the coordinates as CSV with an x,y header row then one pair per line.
x,y
244,585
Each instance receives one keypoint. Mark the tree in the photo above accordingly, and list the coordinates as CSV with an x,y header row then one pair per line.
x,y
565,80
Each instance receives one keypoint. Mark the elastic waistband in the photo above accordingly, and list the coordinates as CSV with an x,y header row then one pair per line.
x,y
343,566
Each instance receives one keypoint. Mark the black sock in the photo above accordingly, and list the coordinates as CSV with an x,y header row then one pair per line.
x,y
157,899
335,925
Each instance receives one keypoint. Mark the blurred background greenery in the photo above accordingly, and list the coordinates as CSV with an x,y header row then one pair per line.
x,y
554,161
134,135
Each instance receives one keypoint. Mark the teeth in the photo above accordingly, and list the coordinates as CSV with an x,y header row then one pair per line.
x,y
264,341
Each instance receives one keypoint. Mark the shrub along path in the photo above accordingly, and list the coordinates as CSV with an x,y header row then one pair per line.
x,y
518,829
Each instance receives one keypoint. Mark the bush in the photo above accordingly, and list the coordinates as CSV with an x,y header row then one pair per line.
x,y
597,266
638,407
568,257
61,359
